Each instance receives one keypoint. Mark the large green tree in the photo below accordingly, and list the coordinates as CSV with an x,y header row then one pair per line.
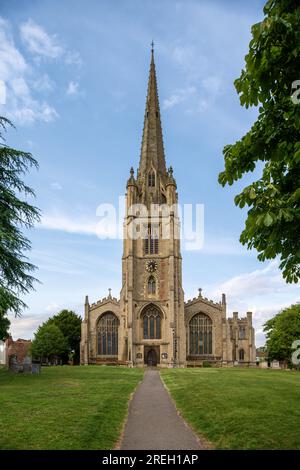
x,y
4,326
48,342
70,325
271,81
15,214
281,331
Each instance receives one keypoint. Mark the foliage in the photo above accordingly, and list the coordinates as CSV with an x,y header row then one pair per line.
x,y
206,364
4,326
48,341
15,213
271,71
281,331
70,325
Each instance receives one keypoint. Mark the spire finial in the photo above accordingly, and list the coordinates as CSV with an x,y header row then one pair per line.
x,y
152,46
109,293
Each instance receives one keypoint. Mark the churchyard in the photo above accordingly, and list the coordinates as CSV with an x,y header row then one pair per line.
x,y
85,407
239,408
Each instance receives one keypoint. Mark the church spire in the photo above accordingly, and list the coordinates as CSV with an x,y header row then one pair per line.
x,y
152,150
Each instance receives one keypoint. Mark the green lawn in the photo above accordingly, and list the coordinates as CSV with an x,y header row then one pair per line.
x,y
65,407
239,408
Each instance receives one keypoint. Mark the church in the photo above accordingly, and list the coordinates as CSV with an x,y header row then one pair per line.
x,y
151,324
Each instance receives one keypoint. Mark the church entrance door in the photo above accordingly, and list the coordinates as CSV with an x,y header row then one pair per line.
x,y
152,358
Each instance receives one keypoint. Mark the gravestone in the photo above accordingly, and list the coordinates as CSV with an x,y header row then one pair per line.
x,y
275,365
35,368
264,364
13,364
27,364
2,352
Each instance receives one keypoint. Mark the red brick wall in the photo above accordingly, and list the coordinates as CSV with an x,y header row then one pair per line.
x,y
19,348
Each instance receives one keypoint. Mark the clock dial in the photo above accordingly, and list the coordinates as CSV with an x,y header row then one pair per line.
x,y
151,266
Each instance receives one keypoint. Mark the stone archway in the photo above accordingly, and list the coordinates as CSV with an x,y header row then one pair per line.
x,y
151,356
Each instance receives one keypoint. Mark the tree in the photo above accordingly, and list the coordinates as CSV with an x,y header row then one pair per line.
x,y
15,213
70,325
48,342
271,75
4,326
281,331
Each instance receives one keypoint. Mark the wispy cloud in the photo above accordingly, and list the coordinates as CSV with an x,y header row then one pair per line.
x,y
56,186
20,104
39,42
262,291
72,88
79,225
178,97
23,80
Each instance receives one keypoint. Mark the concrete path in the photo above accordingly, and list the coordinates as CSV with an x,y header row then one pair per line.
x,y
153,421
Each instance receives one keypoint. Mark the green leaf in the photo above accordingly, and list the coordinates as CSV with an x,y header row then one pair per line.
x,y
268,220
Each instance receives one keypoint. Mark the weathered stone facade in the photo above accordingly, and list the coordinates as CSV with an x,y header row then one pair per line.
x,y
150,323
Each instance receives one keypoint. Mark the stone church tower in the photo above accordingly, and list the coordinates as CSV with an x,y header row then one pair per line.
x,y
151,324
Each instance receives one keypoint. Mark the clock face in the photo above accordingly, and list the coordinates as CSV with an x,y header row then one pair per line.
x,y
151,266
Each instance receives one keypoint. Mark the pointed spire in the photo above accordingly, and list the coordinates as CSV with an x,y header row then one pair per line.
x,y
152,150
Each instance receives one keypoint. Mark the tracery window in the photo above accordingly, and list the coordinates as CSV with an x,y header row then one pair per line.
x,y
107,332
152,323
151,285
151,240
242,332
151,179
200,335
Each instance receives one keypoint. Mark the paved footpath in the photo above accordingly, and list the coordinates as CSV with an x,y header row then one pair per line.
x,y
153,421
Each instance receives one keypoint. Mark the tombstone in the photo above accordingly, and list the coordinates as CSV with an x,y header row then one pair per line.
x,y
264,364
275,365
27,364
2,353
13,364
35,368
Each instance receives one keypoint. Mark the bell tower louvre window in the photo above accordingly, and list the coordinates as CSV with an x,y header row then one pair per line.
x,y
151,240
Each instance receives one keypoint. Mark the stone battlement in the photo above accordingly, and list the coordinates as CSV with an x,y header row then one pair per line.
x,y
104,301
204,300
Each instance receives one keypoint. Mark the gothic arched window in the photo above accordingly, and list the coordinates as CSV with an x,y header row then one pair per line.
x,y
151,285
241,355
151,323
151,179
151,239
200,335
107,332
242,332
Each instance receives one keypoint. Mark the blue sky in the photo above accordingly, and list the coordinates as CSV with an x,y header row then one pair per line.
x,y
75,76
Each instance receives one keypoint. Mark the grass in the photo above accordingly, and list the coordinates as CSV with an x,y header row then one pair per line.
x,y
65,407
239,408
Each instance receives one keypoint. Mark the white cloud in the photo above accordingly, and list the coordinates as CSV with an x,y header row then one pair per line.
x,y
12,63
262,291
81,225
39,42
178,97
24,326
72,88
43,83
259,282
53,307
55,185
20,106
